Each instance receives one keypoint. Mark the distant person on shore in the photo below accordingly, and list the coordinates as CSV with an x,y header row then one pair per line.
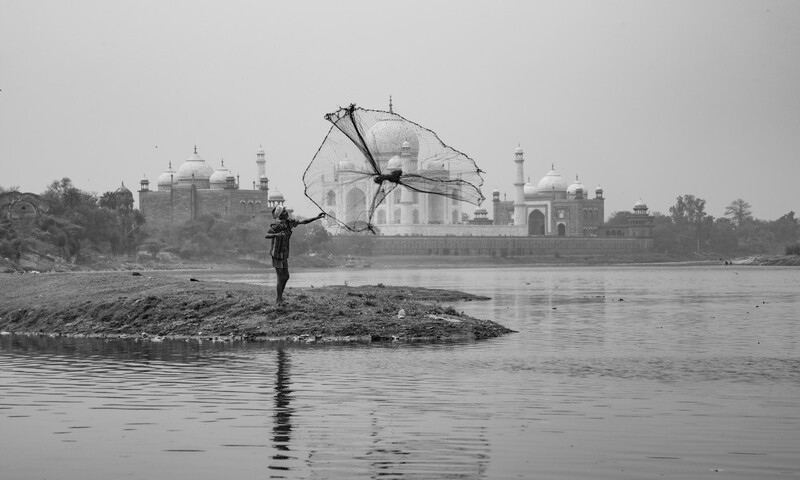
x,y
281,234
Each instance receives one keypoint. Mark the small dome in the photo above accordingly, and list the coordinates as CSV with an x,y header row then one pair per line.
x,y
220,175
518,150
496,191
599,189
395,163
260,151
275,196
481,211
575,186
529,188
552,181
167,177
123,189
640,205
196,167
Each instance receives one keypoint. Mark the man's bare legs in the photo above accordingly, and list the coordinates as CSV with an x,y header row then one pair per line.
x,y
283,278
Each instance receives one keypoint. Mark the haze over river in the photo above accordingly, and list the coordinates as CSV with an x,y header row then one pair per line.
x,y
615,372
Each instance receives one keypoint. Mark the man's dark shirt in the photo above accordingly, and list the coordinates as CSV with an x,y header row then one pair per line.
x,y
280,243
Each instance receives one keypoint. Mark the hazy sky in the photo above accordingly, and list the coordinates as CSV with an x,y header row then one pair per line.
x,y
648,99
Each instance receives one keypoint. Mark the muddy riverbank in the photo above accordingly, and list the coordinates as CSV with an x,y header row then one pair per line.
x,y
156,307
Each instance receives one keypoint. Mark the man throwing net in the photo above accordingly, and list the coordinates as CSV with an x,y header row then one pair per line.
x,y
281,233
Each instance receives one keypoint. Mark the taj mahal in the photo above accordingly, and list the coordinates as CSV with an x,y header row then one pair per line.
x,y
551,207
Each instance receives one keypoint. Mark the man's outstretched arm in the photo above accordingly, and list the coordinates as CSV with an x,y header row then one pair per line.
x,y
309,220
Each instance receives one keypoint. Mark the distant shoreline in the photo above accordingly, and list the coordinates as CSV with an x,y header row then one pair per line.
x,y
49,264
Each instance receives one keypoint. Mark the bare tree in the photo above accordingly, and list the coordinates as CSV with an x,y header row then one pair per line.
x,y
739,212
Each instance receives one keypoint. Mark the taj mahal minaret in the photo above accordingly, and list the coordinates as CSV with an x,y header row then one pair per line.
x,y
261,161
519,188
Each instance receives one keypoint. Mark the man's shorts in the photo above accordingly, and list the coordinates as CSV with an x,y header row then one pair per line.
x,y
280,263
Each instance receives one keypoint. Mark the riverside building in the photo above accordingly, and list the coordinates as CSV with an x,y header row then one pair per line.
x,y
197,188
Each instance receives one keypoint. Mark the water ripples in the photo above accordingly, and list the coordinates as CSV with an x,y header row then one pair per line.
x,y
614,372
253,399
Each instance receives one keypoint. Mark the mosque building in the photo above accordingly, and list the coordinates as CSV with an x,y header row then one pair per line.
x,y
197,188
551,206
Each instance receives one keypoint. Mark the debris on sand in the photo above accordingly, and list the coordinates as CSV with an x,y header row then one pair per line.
x,y
115,304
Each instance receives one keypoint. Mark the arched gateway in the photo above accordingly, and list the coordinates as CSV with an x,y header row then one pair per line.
x,y
536,223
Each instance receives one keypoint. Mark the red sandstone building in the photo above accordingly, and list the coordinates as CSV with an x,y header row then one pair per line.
x,y
196,188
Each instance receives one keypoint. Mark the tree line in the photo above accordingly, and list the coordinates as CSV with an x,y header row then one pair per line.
x,y
214,235
689,229
77,224
80,225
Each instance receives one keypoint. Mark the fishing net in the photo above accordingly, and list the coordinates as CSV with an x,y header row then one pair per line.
x,y
368,154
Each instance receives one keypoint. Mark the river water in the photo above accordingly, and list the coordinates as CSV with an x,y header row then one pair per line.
x,y
615,372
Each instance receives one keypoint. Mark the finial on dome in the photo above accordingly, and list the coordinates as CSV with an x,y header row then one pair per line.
x,y
195,149
222,162
390,104
552,166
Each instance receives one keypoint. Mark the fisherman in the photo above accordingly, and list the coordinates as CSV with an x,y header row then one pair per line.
x,y
281,233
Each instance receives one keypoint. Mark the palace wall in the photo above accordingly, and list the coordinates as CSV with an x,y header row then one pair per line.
x,y
445,230
165,208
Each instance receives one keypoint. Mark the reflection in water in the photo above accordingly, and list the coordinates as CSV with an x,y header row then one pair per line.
x,y
641,373
281,431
